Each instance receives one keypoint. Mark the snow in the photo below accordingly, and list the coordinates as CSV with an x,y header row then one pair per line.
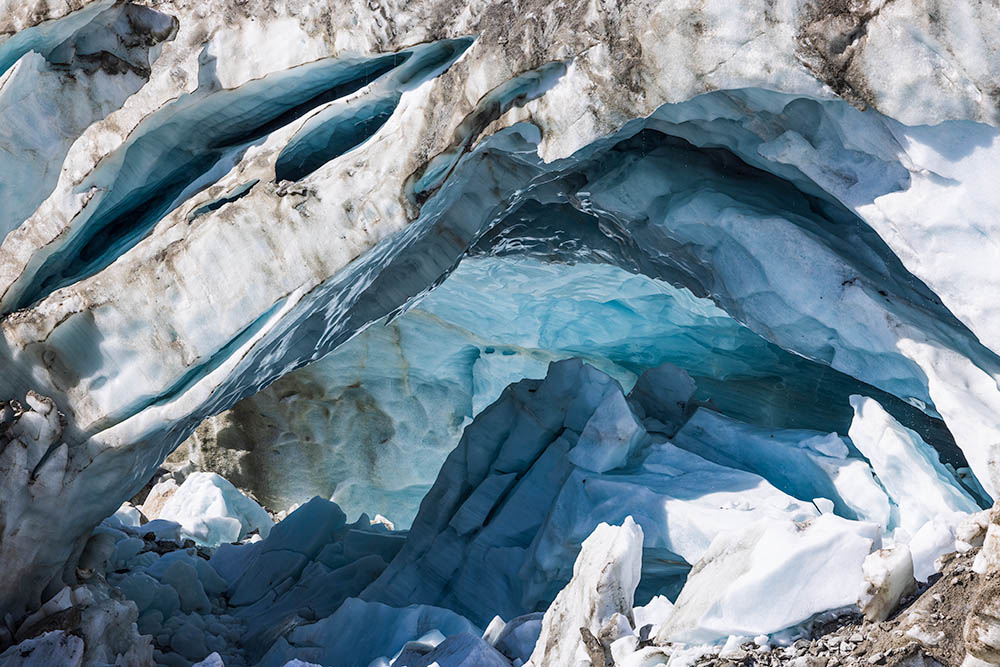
x,y
654,613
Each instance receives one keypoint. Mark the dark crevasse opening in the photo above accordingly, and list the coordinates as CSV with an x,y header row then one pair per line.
x,y
345,126
234,194
334,137
164,162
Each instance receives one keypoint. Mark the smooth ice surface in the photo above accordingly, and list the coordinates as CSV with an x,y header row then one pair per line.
x,y
518,637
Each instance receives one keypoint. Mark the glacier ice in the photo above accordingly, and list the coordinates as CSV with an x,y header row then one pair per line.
x,y
805,464
723,593
359,632
583,617
517,638
531,268
920,487
55,647
261,338
211,511
512,503
462,650
888,577
403,392
95,57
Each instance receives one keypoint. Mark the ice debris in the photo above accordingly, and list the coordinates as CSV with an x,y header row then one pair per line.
x,y
800,568
921,488
211,511
594,610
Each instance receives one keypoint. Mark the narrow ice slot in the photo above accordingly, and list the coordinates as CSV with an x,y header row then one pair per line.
x,y
346,125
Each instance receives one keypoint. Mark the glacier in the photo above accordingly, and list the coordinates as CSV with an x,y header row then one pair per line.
x,y
509,333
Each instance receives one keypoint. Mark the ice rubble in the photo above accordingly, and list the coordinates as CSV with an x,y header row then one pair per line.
x,y
499,528
211,511
597,600
532,486
800,568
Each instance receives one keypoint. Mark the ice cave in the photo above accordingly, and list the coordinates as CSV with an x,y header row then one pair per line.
x,y
506,333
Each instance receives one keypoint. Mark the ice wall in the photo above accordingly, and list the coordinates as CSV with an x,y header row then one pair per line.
x,y
173,268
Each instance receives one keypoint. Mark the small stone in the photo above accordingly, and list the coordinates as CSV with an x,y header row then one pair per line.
x,y
856,638
846,647
876,658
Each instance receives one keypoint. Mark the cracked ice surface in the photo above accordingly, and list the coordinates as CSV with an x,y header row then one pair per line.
x,y
190,212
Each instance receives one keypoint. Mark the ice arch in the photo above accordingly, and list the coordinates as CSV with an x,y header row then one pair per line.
x,y
727,195
371,423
